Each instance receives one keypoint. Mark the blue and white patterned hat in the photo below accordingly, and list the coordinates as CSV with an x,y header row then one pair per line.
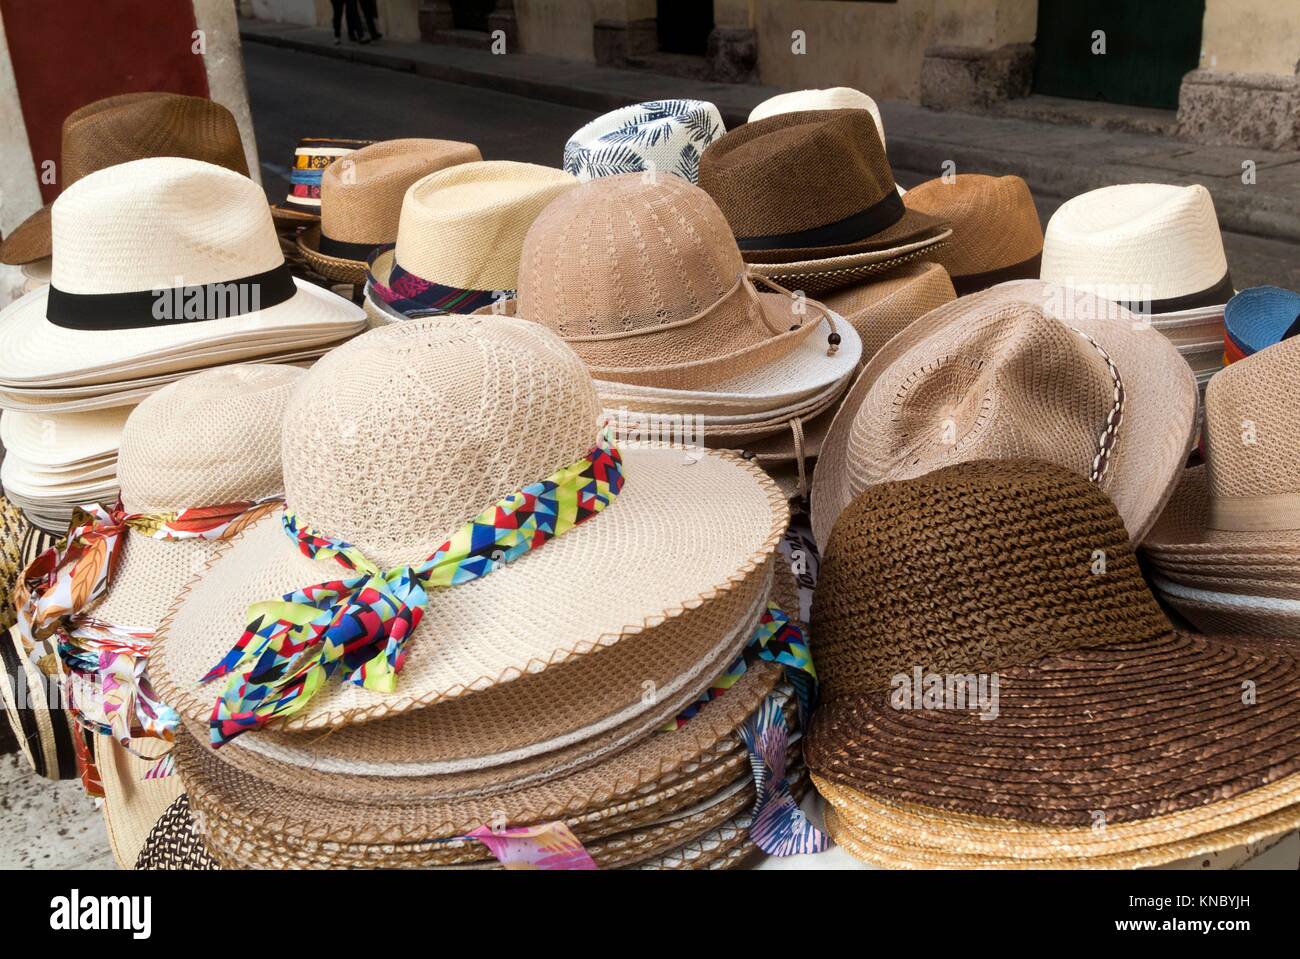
x,y
661,135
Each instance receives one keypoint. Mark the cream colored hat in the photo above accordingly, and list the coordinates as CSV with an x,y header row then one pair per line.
x,y
132,803
665,136
63,439
833,98
361,200
460,237
501,403
1022,370
1153,247
154,260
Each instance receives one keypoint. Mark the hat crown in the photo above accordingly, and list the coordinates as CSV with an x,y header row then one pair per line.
x,y
1011,381
399,437
362,193
995,223
975,567
134,126
664,136
209,439
159,223
1136,242
627,253
830,98
797,171
464,226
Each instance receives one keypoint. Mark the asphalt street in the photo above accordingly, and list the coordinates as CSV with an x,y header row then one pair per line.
x,y
297,94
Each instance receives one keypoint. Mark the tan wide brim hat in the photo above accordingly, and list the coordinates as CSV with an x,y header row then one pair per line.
x,y
338,269
881,308
132,803
680,534
1159,395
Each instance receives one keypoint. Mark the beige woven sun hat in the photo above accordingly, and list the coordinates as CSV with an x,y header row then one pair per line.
x,y
996,235
361,201
658,295
509,404
153,240
1024,369
880,308
133,804
63,439
460,238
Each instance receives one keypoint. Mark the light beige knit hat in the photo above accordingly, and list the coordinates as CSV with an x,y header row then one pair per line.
x,y
1022,370
501,403
361,201
463,228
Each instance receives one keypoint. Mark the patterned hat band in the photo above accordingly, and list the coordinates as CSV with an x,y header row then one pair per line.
x,y
356,629
407,294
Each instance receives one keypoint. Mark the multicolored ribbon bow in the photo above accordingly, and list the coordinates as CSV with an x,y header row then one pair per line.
x,y
105,662
550,845
780,827
360,625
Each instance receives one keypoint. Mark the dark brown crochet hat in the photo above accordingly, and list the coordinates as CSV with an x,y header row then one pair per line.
x,y
811,186
1023,571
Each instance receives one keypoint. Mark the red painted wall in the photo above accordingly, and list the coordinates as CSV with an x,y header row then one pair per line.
x,y
67,53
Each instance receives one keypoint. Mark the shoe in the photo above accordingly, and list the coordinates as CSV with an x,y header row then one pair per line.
x,y
337,41
363,40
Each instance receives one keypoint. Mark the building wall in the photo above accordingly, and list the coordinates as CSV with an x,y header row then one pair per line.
x,y
1251,36
562,28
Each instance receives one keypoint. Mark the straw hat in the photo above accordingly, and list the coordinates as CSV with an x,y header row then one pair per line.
x,y
881,308
1102,709
133,803
124,128
996,234
1021,370
63,439
460,237
125,233
512,405
361,199
658,295
811,198
311,158
44,731
174,843
1257,318
806,101
665,136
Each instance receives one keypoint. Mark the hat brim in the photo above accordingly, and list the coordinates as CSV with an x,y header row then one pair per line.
x,y
30,240
1223,612
1130,731
913,227
1156,433
174,842
1183,532
705,525
286,216
34,350
827,275
335,268
68,440
132,803
44,735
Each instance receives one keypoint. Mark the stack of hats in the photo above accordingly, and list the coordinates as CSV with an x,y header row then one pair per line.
x,y
1257,318
459,239
418,712
685,343
311,158
55,462
1226,552
662,136
161,267
1155,249
1000,688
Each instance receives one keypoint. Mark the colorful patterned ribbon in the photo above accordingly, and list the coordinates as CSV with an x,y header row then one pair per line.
x,y
105,663
407,293
550,845
361,624
780,828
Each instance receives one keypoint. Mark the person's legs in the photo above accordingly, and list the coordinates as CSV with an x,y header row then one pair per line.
x,y
370,9
354,20
338,18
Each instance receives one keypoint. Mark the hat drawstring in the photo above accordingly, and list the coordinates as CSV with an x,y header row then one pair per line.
x,y
796,428
832,340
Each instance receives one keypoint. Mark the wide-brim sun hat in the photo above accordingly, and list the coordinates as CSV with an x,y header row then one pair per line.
x,y
63,439
1097,714
134,801
361,201
336,444
879,309
660,136
123,234
1024,369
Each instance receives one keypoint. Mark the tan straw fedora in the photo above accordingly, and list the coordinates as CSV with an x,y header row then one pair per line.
x,y
361,200
996,235
124,128
1024,369
510,405
657,295
881,308
1018,576
460,238
811,198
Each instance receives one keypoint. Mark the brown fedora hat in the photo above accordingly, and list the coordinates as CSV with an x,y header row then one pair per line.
x,y
996,235
989,571
812,192
119,129
361,201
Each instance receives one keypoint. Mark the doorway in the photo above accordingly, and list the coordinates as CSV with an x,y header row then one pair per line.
x,y
471,14
684,26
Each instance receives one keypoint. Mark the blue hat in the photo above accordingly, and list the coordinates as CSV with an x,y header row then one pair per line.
x,y
1257,318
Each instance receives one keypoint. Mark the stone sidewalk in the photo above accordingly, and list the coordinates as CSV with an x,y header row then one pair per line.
x,y
1057,160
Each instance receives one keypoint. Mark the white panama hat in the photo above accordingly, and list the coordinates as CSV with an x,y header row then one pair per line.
x,y
832,98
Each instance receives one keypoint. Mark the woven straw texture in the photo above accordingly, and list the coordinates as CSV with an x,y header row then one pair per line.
x,y
642,277
1101,706
832,98
1136,241
132,804
1021,370
58,440
12,527
173,843
44,735
994,223
823,275
131,127
882,308
502,403
464,227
